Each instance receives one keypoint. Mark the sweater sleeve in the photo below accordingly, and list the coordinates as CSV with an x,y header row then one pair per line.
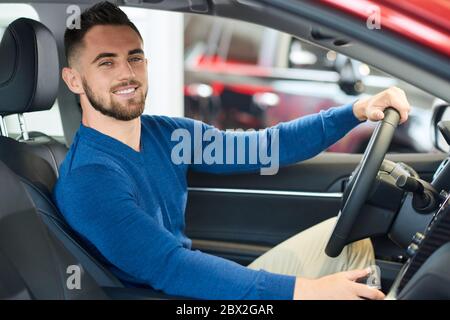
x,y
285,143
99,204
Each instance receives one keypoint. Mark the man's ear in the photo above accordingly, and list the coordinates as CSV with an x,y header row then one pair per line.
x,y
72,79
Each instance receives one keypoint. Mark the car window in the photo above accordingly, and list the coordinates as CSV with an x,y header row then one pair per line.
x,y
222,40
242,75
198,31
305,55
48,122
242,43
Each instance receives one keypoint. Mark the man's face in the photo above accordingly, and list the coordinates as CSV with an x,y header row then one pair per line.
x,y
113,71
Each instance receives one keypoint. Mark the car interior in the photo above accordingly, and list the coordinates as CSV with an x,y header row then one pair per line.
x,y
400,201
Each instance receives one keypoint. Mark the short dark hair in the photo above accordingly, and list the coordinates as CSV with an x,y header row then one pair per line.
x,y
102,13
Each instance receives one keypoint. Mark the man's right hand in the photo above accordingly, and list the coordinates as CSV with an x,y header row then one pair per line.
x,y
338,286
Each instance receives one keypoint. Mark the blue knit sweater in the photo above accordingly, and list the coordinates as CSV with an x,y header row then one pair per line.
x,y
129,206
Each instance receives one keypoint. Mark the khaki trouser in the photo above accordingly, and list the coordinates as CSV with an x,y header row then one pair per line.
x,y
304,254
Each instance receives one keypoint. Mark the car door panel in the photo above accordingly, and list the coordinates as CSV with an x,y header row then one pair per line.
x,y
241,216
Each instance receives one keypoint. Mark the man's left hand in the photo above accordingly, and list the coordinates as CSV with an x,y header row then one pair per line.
x,y
372,108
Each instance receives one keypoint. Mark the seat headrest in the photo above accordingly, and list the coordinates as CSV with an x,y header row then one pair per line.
x,y
29,68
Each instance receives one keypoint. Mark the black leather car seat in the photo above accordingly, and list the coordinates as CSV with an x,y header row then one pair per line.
x,y
29,78
34,263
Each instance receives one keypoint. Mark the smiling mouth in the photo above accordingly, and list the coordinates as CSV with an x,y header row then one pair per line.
x,y
126,92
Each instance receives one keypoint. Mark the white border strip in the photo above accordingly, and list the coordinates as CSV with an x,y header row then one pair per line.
x,y
270,192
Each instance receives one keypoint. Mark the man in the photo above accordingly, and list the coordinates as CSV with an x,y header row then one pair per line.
x,y
121,192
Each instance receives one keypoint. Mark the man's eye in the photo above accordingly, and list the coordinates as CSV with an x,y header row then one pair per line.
x,y
136,59
105,63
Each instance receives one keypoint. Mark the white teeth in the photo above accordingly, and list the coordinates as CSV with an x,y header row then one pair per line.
x,y
125,91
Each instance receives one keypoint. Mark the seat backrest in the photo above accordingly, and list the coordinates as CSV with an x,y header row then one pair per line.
x,y
34,263
38,260
31,48
47,148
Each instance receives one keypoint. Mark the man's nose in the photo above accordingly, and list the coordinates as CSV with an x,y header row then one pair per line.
x,y
126,71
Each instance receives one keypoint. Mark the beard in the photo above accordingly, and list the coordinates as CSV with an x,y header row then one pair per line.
x,y
124,111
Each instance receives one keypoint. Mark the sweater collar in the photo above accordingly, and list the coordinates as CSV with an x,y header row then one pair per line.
x,y
109,143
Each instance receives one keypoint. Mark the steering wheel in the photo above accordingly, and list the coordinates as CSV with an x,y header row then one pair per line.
x,y
361,183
